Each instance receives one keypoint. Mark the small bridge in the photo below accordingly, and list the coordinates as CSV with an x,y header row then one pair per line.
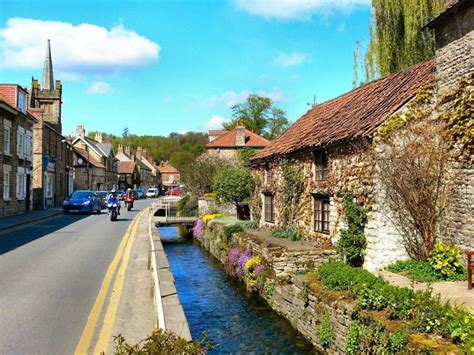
x,y
169,220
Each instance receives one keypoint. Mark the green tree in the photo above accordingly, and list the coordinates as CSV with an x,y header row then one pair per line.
x,y
260,116
396,38
233,184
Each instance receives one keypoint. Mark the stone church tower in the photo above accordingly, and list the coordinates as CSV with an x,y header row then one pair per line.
x,y
48,96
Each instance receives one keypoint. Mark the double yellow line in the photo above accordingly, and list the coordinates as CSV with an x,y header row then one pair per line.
x,y
120,258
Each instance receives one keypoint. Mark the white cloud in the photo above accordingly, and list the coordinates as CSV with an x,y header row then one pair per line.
x,y
99,88
341,27
215,122
75,48
230,98
167,100
296,9
291,60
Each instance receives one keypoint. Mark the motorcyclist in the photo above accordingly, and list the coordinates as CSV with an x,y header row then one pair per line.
x,y
129,196
114,199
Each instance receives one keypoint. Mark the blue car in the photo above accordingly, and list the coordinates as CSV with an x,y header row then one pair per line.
x,y
83,202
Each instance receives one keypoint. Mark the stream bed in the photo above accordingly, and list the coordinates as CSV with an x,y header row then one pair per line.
x,y
235,320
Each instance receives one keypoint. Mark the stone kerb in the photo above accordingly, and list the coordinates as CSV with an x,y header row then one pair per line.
x,y
169,311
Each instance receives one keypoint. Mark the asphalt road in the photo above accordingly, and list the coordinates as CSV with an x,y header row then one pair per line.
x,y
50,274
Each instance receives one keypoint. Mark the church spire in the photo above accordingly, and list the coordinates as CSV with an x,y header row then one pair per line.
x,y
48,80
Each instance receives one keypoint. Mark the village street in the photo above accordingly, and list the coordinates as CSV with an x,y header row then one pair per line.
x,y
51,275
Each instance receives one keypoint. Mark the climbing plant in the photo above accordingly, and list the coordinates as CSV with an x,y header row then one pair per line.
x,y
351,244
289,193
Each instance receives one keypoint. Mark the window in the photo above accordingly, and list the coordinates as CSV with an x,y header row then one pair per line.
x,y
321,169
269,209
21,101
29,145
268,176
6,140
6,185
20,142
321,215
20,186
49,185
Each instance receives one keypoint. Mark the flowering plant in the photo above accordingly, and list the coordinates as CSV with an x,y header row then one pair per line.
x,y
208,217
198,229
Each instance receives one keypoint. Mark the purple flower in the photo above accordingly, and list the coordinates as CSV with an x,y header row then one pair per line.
x,y
242,261
258,269
198,229
234,255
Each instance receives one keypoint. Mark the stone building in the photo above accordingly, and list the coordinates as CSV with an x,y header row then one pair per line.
x,y
152,175
324,141
170,176
331,142
226,144
16,163
95,163
53,171
128,175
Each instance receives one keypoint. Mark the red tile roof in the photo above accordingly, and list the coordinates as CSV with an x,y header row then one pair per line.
x,y
167,169
227,140
355,114
8,91
216,132
126,167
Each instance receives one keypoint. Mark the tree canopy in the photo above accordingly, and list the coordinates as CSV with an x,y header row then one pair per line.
x,y
259,115
396,38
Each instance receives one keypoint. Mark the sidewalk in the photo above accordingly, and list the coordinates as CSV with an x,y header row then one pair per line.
x,y
455,292
9,222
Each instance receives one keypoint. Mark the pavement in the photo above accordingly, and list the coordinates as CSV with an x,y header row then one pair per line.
x,y
10,222
455,292
52,273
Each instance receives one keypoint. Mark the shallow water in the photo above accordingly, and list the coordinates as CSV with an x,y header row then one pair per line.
x,y
219,305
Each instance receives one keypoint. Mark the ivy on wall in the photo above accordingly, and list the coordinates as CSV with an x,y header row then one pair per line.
x,y
290,191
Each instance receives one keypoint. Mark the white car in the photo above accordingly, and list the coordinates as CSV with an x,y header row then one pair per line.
x,y
152,192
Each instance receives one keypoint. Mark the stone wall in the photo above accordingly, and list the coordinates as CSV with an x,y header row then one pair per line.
x,y
455,47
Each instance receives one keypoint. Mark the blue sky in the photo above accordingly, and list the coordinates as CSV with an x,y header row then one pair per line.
x,y
174,66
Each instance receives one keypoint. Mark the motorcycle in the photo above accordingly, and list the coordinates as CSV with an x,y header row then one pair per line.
x,y
112,206
128,199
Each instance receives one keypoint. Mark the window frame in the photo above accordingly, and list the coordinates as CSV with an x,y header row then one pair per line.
x,y
321,214
269,214
321,165
6,185
7,140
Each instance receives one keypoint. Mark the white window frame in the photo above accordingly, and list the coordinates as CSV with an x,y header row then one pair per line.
x,y
21,184
21,101
7,137
29,145
49,185
6,185
20,146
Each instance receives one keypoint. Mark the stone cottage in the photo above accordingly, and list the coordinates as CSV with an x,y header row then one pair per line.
x,y
226,144
16,138
331,142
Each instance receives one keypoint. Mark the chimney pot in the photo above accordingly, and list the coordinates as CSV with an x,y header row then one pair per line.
x,y
81,131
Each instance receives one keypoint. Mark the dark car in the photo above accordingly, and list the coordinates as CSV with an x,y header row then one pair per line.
x,y
83,201
103,198
140,194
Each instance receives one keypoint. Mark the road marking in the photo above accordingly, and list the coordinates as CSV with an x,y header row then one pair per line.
x,y
94,315
105,334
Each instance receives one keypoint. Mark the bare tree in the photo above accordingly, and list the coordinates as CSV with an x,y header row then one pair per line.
x,y
412,167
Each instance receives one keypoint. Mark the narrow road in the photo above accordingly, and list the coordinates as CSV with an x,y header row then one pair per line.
x,y
50,275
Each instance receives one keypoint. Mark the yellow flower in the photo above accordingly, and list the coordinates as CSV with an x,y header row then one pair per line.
x,y
252,262
208,217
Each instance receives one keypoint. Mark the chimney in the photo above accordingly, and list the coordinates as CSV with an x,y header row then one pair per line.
x,y
127,151
240,135
98,137
139,153
120,149
81,131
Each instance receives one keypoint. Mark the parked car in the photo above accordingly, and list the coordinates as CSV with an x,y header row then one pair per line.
x,y
140,193
83,201
103,197
177,191
152,192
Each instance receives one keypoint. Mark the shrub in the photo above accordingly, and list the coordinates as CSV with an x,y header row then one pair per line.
x,y
249,224
289,233
233,184
230,230
351,244
336,275
325,333
188,206
445,260
353,340
161,342
209,217
422,271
